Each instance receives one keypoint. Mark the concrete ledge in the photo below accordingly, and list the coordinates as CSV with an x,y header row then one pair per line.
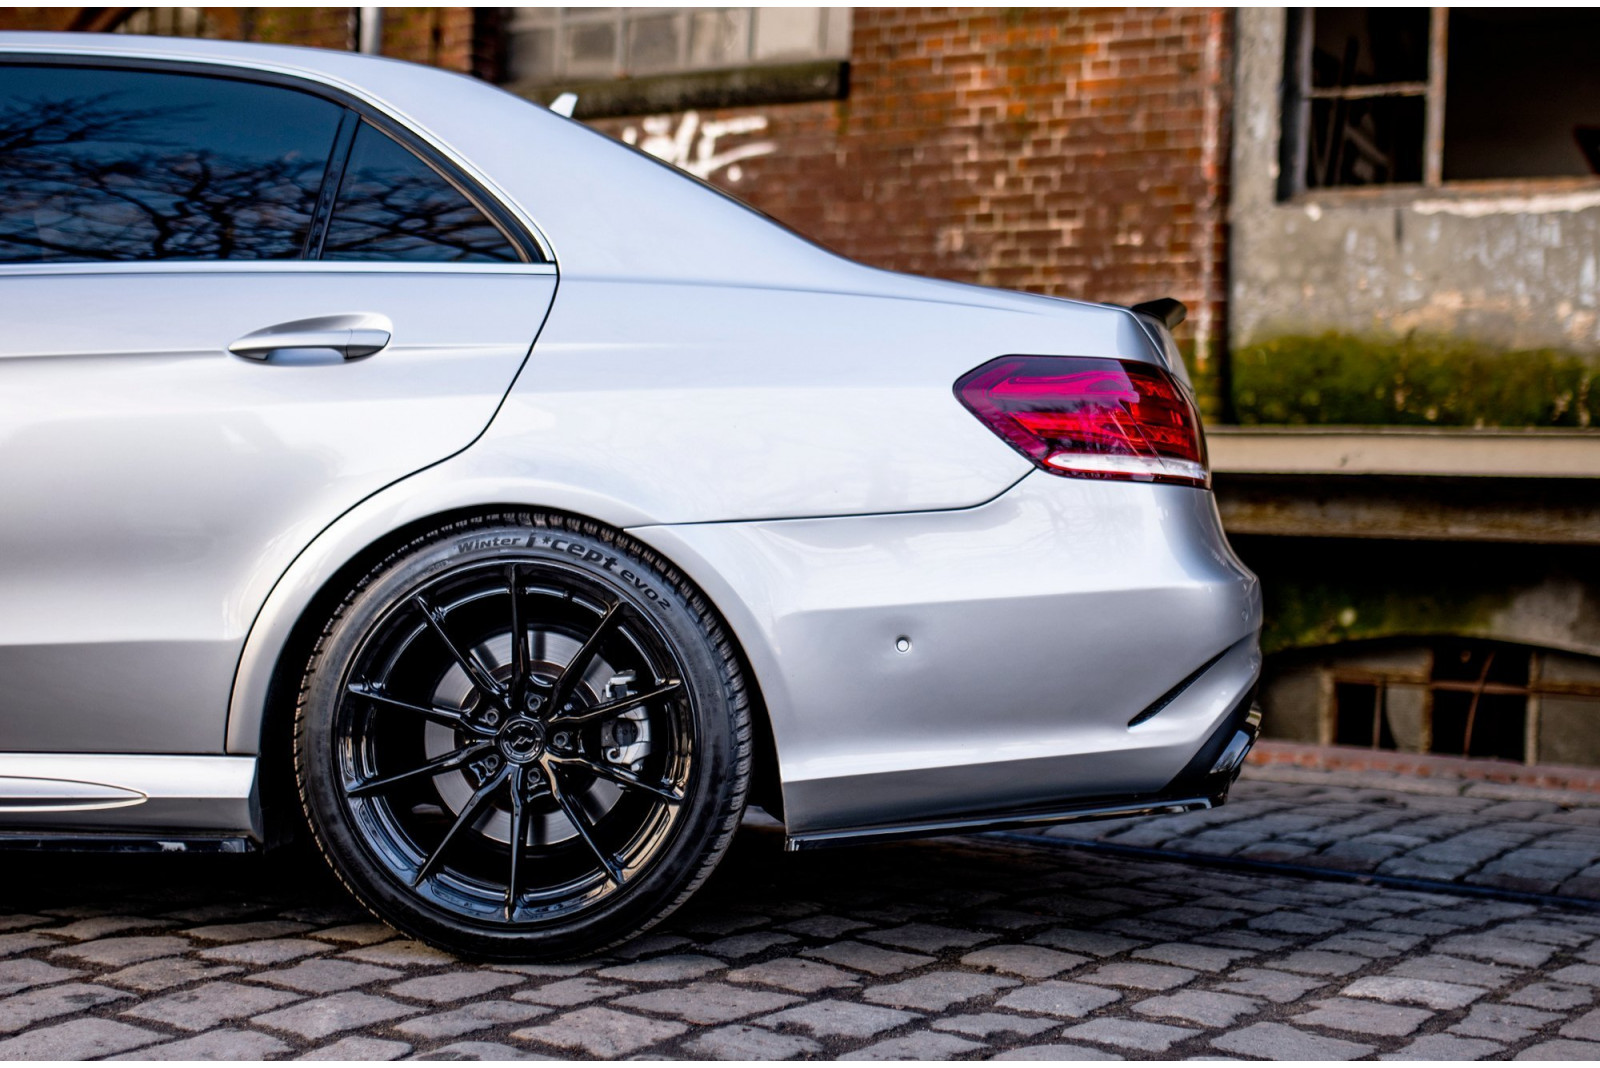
x,y
1404,451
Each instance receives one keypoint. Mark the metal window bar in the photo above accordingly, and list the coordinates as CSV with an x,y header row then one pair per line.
x,y
1537,688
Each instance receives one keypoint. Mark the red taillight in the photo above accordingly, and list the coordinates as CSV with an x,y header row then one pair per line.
x,y
1091,417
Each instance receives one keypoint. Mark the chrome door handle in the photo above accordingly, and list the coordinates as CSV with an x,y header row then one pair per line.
x,y
351,336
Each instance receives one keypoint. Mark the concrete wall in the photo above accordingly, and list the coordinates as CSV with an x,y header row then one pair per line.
x,y
1475,271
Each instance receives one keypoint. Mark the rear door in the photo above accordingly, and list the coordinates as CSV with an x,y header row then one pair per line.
x,y
232,309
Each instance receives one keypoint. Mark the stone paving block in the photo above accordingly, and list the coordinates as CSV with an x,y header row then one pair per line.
x,y
1208,1008
118,952
707,1002
1030,962
796,974
735,947
1129,1034
601,1032
25,972
356,934
921,1046
1551,933
1296,923
875,960
358,1048
564,993
1586,1026
1577,975
1454,970
1281,987
924,937
329,1015
1504,1023
984,1024
1058,998
1209,919
102,927
1321,962
1280,1042
741,1042
454,986
1429,992
1498,950
26,1009
656,944
469,1018
1092,943
1197,957
204,1007
1364,1017
269,951
478,1051
1444,1048
223,1044
76,1040
247,932
539,970
936,991
167,972
1250,940
1138,976
673,969
1370,944
824,926
830,1018
18,920
1560,1049
400,953
324,975
1558,996
1056,1052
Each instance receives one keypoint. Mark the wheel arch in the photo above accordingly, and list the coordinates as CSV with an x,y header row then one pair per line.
x,y
280,644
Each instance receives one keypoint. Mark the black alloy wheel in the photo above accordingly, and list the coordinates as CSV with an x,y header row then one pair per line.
x,y
523,737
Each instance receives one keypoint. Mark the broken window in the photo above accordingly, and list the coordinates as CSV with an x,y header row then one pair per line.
x,y
1422,96
552,45
1467,698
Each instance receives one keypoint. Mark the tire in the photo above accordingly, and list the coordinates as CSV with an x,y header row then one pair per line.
x,y
613,741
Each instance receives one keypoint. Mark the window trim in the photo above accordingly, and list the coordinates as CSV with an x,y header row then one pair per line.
x,y
524,236
1298,93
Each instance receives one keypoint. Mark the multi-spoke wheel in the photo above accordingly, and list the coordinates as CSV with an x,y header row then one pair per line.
x,y
523,737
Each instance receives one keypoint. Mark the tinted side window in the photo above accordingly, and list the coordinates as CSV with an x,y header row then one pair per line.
x,y
136,165
393,206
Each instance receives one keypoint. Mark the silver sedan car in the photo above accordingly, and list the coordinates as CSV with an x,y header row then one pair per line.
x,y
386,456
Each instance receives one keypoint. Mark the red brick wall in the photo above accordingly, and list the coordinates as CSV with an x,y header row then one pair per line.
x,y
1077,152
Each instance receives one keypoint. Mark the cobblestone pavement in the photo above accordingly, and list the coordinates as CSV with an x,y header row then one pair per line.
x,y
1505,837
963,949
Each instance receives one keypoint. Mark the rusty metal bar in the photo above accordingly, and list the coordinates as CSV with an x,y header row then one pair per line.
x,y
1438,55
1367,92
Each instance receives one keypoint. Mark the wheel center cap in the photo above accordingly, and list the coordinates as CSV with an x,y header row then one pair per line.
x,y
522,740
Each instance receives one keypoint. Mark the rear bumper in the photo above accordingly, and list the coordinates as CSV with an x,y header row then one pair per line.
x,y
1039,631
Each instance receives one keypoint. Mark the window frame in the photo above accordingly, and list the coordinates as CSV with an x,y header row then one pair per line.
x,y
1294,126
530,248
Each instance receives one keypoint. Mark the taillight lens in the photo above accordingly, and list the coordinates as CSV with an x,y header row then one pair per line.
x,y
1090,417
